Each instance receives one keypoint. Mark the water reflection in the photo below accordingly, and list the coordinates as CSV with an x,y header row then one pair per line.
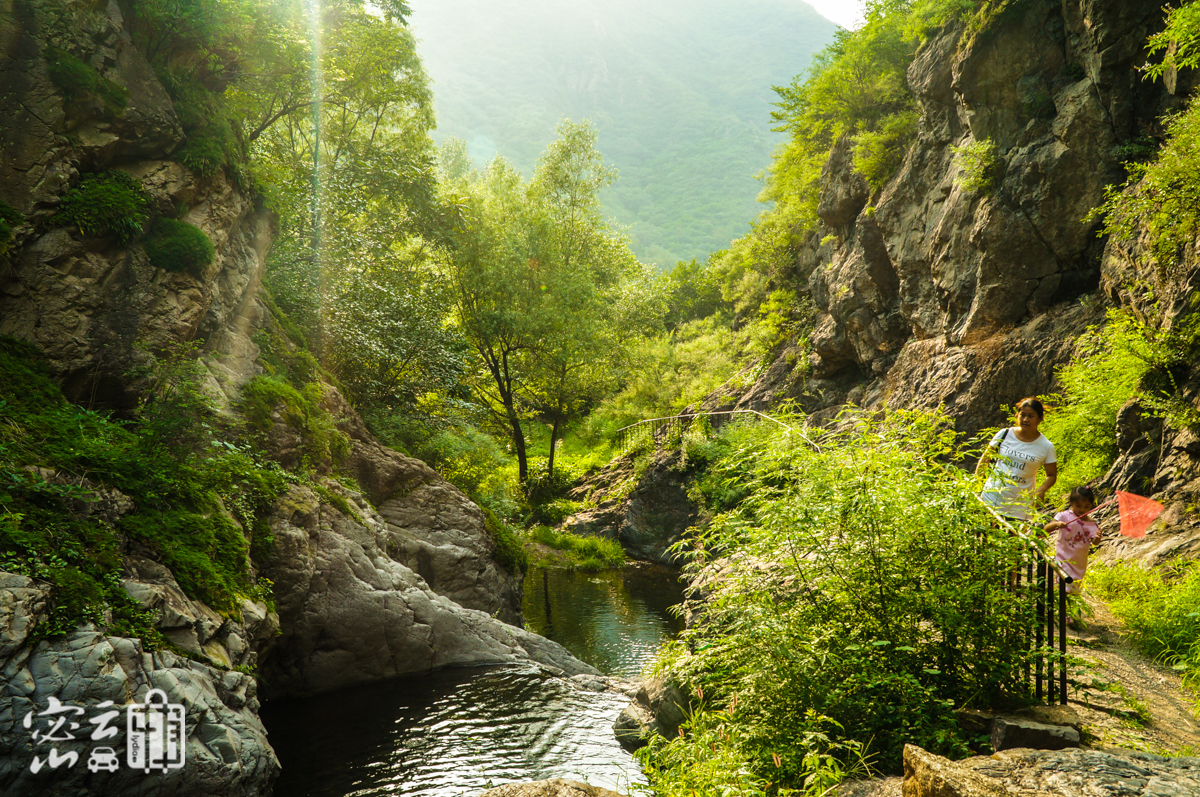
x,y
460,731
614,620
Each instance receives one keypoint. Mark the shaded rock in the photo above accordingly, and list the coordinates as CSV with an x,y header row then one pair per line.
x,y
1082,773
226,746
556,787
1008,733
929,775
844,191
350,614
659,706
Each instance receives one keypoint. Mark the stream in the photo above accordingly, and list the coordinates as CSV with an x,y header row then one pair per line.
x,y
460,731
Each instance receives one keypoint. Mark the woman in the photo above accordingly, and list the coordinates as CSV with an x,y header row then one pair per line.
x,y
1023,450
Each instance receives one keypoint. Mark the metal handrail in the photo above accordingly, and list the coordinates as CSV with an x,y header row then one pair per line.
x,y
688,416
1047,568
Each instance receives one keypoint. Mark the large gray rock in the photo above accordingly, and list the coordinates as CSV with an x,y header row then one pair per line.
x,y
659,707
226,749
350,613
556,787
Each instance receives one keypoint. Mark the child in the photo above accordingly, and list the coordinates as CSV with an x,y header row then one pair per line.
x,y
1076,533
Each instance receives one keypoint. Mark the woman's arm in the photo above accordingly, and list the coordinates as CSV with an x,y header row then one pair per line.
x,y
1051,478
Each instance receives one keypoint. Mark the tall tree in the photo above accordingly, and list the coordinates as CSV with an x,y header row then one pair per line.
x,y
542,285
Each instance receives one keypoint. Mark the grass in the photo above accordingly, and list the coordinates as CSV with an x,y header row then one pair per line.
x,y
578,553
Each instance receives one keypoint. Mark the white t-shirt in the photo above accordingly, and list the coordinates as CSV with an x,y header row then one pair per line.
x,y
1010,483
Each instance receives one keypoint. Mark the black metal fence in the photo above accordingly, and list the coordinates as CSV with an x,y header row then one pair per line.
x,y
1045,583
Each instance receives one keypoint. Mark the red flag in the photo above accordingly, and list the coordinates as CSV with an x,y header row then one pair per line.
x,y
1137,513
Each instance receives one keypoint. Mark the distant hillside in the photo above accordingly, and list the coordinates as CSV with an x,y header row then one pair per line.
x,y
679,89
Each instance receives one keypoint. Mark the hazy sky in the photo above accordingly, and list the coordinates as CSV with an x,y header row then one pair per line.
x,y
847,13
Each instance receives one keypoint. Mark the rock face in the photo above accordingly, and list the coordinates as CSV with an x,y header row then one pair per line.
x,y
659,707
646,515
226,746
1061,773
557,787
350,614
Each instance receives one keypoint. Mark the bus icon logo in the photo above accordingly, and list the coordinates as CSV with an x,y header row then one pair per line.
x,y
156,733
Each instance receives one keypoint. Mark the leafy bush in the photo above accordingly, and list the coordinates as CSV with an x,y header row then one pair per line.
x,y
1160,608
192,493
1161,198
879,153
302,410
977,164
584,553
10,217
861,597
509,553
107,203
77,80
178,246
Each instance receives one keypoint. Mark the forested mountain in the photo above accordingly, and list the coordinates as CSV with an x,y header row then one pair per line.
x,y
680,91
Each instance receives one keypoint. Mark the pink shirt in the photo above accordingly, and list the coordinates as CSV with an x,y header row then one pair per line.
x,y
1074,539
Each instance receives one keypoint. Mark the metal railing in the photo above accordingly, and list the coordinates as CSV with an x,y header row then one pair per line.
x,y
1049,582
660,429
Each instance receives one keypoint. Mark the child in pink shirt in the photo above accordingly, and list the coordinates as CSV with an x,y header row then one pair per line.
x,y
1076,533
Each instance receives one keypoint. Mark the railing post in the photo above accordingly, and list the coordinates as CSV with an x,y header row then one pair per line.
x,y
1041,624
1029,587
1051,580
1062,640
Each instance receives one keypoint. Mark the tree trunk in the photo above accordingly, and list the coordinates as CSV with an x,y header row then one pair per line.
x,y
553,439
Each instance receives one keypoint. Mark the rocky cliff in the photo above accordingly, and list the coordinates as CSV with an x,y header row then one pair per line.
x,y
932,294
382,571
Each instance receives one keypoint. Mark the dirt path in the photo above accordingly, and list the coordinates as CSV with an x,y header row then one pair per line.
x,y
1124,699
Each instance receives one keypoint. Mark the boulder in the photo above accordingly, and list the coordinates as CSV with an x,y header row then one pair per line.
x,y
1008,733
226,749
351,614
556,787
659,706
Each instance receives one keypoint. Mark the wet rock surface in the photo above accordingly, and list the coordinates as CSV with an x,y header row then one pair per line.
x,y
226,748
556,787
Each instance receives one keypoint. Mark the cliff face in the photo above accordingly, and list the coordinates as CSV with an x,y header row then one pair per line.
x,y
940,295
398,576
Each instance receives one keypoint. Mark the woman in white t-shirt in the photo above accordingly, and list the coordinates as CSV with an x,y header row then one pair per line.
x,y
1019,452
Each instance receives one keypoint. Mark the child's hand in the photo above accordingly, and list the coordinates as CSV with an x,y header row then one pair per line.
x,y
1055,525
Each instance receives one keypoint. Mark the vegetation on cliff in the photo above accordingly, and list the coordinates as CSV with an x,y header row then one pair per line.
x,y
854,594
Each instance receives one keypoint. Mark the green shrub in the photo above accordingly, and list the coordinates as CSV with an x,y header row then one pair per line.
x,y
862,598
879,153
78,80
107,203
302,410
178,246
1161,198
582,553
978,165
10,217
1160,609
190,482
510,553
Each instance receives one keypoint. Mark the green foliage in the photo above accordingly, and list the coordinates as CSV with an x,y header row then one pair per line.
x,y
879,153
78,81
10,217
201,499
1160,200
1105,372
691,291
978,166
1122,360
862,597
302,410
106,203
178,246
581,553
1177,41
509,552
1160,609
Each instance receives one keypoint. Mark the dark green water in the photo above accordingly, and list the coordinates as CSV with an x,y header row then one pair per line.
x,y
459,731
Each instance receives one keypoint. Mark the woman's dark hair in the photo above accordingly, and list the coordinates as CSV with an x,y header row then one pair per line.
x,y
1083,493
1032,404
